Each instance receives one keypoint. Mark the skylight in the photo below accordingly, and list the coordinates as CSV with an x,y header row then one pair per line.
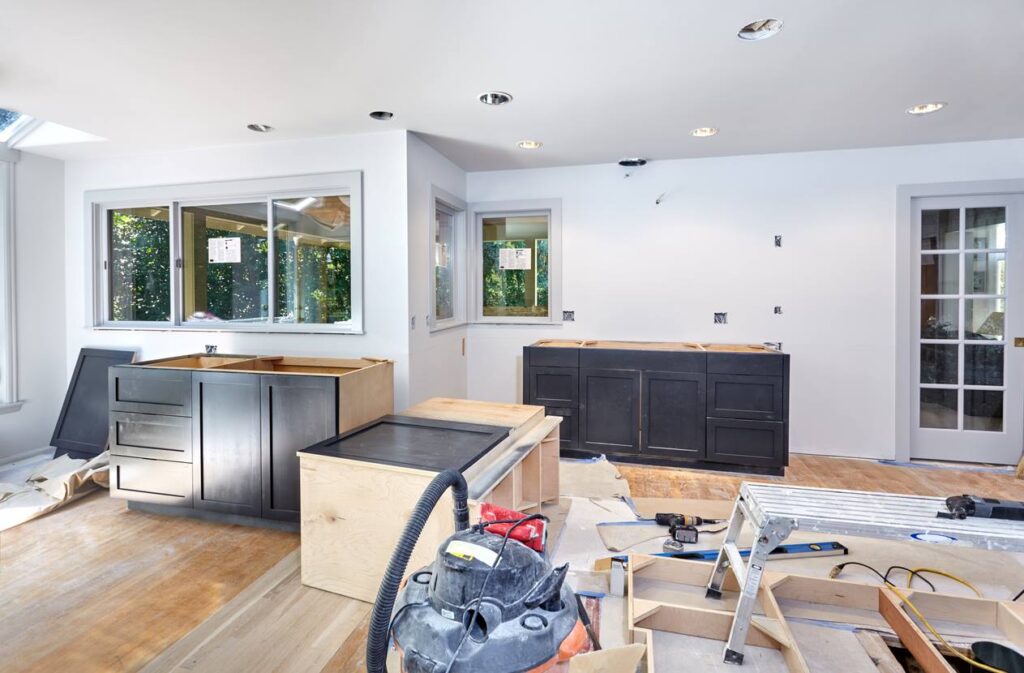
x,y
10,123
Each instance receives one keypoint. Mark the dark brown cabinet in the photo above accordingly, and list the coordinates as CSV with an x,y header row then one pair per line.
x,y
296,412
714,406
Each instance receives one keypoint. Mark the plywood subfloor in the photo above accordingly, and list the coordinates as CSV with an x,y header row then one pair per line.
x,y
825,472
94,587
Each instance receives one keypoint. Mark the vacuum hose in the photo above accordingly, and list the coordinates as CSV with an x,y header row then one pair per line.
x,y
380,621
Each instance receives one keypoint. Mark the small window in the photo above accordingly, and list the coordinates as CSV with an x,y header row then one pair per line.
x,y
447,262
140,264
515,281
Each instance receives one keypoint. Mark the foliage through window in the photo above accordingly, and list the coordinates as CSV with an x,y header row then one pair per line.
x,y
140,264
444,265
515,252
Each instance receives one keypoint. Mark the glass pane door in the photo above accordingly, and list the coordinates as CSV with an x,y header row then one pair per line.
x,y
962,399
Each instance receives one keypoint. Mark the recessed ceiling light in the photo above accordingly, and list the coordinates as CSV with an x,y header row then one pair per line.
x,y
529,144
381,115
704,132
925,108
495,98
759,30
260,128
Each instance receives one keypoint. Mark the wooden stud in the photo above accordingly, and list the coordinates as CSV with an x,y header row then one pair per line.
x,y
926,654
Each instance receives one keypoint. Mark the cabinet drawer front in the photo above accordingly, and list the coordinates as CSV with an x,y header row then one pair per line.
x,y
673,414
758,443
554,386
750,397
663,361
763,364
568,432
609,410
540,356
151,436
150,391
157,481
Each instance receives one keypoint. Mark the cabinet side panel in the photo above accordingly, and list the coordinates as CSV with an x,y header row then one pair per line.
x,y
366,395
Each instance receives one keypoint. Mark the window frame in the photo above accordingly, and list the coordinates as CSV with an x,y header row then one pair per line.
x,y
176,197
456,207
9,401
550,207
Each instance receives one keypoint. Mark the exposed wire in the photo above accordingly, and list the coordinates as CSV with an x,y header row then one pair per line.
x,y
839,568
1019,594
912,574
943,573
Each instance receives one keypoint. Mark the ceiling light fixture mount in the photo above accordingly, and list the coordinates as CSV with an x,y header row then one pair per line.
x,y
925,108
382,115
760,30
529,144
495,98
260,128
632,162
704,132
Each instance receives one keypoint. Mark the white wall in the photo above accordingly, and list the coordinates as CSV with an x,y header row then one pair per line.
x,y
636,270
381,157
437,364
39,288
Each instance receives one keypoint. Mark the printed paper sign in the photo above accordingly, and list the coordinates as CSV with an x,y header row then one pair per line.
x,y
225,250
514,258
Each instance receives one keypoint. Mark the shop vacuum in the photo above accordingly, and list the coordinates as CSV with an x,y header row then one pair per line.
x,y
489,603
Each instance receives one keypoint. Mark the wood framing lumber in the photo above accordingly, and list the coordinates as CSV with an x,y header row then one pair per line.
x,y
879,652
926,654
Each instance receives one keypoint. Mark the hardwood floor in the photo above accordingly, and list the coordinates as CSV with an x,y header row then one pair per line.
x,y
95,587
825,472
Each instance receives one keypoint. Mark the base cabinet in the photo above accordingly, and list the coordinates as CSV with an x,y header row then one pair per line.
x,y
670,404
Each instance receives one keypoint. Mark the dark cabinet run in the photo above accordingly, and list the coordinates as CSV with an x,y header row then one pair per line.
x,y
701,405
218,436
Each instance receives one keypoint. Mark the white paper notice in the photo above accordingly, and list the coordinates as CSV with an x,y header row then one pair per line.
x,y
224,250
514,258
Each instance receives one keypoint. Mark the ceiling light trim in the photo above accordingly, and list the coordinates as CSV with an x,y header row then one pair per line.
x,y
761,29
926,108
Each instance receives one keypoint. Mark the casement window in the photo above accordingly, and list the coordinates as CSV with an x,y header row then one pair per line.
x,y
259,255
8,374
517,262
447,262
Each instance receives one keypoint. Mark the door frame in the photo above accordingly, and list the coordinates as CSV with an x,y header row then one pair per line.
x,y
904,315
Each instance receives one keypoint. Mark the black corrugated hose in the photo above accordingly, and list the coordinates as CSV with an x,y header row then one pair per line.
x,y
380,621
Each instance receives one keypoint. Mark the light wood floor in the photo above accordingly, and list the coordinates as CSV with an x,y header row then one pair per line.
x,y
94,587
825,472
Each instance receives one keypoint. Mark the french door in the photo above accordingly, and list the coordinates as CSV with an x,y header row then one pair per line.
x,y
967,402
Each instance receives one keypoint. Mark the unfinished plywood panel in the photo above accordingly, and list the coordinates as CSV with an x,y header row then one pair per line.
x,y
549,466
130,584
347,504
366,394
521,417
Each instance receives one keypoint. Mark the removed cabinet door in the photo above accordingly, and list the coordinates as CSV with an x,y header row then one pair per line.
x,y
610,410
226,442
297,412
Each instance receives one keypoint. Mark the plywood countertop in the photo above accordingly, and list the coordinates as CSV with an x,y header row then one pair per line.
x,y
655,346
474,411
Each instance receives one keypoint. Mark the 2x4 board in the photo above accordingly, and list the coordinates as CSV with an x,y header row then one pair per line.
x,y
668,595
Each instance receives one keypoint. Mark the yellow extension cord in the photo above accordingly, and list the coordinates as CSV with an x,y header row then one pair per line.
x,y
952,650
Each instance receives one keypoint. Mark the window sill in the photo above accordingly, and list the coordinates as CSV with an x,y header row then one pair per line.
x,y
230,330
447,326
11,407
518,321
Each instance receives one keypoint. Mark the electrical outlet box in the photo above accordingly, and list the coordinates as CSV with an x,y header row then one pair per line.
x,y
778,240
721,318
211,349
778,310
569,316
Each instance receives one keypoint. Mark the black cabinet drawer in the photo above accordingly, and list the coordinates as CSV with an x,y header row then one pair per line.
x,y
664,361
151,436
540,356
554,386
150,390
741,442
763,364
157,481
673,414
752,397
569,430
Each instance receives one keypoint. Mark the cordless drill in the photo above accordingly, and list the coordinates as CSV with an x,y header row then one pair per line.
x,y
682,528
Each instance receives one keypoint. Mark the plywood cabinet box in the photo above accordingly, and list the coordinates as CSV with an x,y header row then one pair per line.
x,y
218,435
715,406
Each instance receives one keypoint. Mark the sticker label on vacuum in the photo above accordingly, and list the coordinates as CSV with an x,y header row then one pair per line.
x,y
471,552
447,614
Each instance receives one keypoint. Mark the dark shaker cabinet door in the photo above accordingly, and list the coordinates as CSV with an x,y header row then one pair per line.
x,y
673,414
757,398
226,442
554,386
610,408
297,412
744,442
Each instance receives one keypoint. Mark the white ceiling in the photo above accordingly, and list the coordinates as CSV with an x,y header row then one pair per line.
x,y
594,80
